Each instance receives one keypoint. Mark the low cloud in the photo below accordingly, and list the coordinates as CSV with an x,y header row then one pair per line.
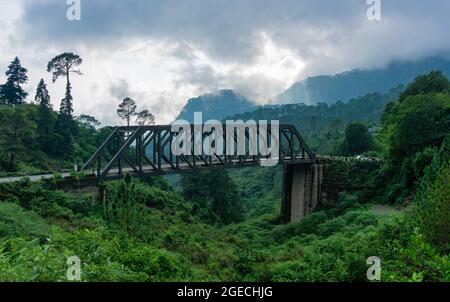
x,y
120,89
162,52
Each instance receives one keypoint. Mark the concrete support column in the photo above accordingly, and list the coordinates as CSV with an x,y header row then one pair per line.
x,y
316,185
101,193
301,190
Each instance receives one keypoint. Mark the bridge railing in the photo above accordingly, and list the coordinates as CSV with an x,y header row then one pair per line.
x,y
144,150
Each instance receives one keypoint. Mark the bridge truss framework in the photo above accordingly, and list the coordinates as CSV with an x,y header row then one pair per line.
x,y
147,150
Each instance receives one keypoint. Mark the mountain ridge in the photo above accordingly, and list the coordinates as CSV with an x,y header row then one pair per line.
x,y
359,82
215,105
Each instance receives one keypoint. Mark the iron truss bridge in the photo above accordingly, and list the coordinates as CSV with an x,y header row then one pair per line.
x,y
147,150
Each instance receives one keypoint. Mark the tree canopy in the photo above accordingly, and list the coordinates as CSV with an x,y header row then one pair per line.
x,y
434,81
127,109
64,64
215,196
357,140
88,121
144,118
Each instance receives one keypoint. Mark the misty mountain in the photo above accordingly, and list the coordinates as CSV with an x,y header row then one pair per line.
x,y
352,84
311,119
215,105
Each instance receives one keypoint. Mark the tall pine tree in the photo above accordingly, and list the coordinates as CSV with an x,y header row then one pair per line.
x,y
127,109
12,92
45,120
61,66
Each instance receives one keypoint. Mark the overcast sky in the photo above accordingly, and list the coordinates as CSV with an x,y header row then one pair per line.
x,y
162,52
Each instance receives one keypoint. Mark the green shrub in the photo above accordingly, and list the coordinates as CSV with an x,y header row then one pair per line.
x,y
16,222
433,199
158,265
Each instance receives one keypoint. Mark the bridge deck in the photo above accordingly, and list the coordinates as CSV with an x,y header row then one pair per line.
x,y
149,170
184,167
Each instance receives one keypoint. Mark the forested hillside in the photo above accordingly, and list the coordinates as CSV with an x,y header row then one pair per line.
x,y
34,138
31,143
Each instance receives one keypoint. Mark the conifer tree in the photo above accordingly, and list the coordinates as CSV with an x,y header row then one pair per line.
x,y
45,120
127,109
61,66
12,92
145,118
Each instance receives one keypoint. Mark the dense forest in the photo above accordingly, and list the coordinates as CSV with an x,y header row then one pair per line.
x,y
225,225
323,125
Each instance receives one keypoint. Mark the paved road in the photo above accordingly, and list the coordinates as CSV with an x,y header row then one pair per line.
x,y
31,177
113,173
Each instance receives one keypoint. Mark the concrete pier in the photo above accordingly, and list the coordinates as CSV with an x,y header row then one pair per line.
x,y
302,191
